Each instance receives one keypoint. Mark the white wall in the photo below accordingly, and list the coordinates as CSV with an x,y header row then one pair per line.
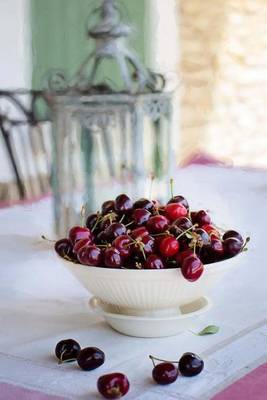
x,y
14,44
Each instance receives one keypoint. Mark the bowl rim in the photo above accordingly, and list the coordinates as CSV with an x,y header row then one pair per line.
x,y
222,264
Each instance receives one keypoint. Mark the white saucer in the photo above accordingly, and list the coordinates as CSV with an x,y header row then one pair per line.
x,y
151,326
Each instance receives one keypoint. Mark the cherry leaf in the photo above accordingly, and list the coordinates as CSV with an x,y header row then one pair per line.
x,y
209,330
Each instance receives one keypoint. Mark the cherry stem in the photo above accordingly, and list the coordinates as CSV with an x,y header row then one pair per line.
x,y
48,240
187,230
245,243
97,222
120,221
160,234
152,358
151,185
130,223
82,213
171,185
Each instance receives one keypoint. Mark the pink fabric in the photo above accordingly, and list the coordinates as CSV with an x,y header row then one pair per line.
x,y
11,392
252,386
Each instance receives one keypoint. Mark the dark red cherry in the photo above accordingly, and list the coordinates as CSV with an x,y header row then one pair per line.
x,y
145,204
181,256
183,223
190,364
141,216
169,246
201,218
90,358
113,386
123,204
216,249
139,232
165,373
175,211
79,232
81,243
157,224
64,248
90,255
114,230
112,258
180,200
67,349
108,206
192,268
123,244
154,262
92,221
232,246
233,234
203,237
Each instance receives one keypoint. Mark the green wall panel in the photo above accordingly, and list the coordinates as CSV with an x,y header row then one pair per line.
x,y
59,35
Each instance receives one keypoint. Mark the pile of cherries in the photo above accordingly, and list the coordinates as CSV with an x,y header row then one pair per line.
x,y
116,384
148,235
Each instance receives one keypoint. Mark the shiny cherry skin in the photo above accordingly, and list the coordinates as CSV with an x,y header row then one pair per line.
x,y
180,200
90,358
233,234
79,232
114,230
64,248
91,221
175,211
144,204
146,245
67,349
165,373
169,246
113,386
232,246
154,262
216,249
123,204
192,268
201,218
107,207
182,255
190,364
183,223
157,224
139,232
90,255
141,216
81,243
203,237
112,258
123,244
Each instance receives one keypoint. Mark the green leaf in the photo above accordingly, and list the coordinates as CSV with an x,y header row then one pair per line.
x,y
209,330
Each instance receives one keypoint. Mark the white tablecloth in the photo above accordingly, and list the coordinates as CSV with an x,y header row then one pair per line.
x,y
41,303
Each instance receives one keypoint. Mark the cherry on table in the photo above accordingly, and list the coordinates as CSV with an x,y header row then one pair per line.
x,y
67,350
90,358
165,373
154,262
157,224
192,268
79,232
190,364
233,234
113,386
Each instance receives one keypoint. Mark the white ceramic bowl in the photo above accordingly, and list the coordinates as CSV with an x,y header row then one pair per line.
x,y
137,292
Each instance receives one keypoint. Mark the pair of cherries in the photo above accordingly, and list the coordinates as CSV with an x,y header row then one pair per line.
x,y
116,385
